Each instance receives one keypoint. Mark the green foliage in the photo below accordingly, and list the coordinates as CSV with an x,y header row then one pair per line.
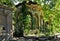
x,y
6,2
54,15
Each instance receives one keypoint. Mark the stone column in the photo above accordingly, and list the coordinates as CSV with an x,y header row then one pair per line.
x,y
8,25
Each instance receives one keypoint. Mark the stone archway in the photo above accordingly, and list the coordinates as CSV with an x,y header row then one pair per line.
x,y
36,16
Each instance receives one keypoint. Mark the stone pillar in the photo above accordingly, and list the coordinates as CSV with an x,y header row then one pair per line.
x,y
6,14
8,25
